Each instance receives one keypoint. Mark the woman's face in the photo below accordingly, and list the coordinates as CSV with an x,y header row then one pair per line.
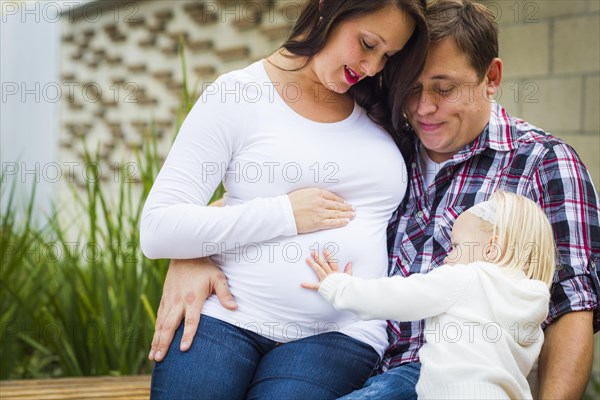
x,y
359,48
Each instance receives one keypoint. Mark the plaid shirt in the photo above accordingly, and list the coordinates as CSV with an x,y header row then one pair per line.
x,y
513,156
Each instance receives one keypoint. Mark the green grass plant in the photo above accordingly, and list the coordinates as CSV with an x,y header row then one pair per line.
x,y
77,297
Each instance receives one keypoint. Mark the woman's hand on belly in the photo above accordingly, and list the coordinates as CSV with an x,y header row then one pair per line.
x,y
317,209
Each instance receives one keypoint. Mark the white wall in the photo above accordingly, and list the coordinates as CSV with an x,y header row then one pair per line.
x,y
29,75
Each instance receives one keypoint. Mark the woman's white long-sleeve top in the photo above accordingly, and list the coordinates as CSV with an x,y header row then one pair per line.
x,y
242,132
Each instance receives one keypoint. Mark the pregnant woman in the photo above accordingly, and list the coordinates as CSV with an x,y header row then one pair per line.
x,y
290,136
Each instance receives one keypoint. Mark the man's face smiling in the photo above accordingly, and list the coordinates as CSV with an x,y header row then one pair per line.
x,y
450,105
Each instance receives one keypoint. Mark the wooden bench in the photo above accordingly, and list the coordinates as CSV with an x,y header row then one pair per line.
x,y
102,387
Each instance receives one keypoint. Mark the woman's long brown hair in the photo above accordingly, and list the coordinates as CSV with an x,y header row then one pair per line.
x,y
384,95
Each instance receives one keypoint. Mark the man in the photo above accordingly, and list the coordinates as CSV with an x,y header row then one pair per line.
x,y
467,148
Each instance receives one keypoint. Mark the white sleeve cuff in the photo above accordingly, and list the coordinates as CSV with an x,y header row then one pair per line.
x,y
331,285
289,228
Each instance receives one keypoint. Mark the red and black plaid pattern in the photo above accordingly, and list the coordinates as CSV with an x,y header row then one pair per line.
x,y
509,155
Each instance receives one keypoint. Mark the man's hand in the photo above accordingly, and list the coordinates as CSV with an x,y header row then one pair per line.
x,y
187,286
566,360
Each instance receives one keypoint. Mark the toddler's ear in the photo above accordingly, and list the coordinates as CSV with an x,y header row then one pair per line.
x,y
493,249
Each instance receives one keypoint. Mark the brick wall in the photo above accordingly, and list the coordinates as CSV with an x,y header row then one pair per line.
x,y
552,69
122,63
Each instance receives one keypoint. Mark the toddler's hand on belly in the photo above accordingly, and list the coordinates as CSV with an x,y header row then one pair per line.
x,y
323,267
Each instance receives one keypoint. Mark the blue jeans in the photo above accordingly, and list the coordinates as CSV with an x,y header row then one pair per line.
x,y
394,384
227,362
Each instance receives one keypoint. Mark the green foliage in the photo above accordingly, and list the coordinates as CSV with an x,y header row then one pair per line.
x,y
84,307
77,307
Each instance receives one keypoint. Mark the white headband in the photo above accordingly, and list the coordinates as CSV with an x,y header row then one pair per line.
x,y
485,210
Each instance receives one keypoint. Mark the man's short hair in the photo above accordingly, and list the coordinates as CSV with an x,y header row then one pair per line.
x,y
472,27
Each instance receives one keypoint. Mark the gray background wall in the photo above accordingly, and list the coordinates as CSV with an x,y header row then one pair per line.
x,y
552,69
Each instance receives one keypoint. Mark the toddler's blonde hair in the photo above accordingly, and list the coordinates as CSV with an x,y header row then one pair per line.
x,y
525,236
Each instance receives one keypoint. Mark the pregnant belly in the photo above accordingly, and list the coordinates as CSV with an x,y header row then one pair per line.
x,y
265,277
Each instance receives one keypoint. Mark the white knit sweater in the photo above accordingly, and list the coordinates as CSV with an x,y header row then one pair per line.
x,y
482,325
